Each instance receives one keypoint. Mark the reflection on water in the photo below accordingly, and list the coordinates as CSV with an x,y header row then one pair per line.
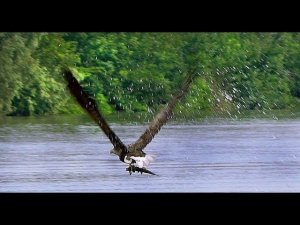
x,y
71,154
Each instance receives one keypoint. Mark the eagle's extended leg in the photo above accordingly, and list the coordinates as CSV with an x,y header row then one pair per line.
x,y
131,169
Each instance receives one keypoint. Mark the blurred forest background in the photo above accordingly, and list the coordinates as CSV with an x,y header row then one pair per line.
x,y
138,72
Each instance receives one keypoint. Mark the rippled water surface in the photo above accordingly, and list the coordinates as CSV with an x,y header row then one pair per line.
x,y
55,155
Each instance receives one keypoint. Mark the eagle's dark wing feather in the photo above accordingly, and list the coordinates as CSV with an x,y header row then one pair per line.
x,y
162,117
90,106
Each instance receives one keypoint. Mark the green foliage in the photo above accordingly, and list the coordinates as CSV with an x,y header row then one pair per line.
x,y
198,100
137,72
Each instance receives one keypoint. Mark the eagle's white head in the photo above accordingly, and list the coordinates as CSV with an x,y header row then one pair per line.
x,y
141,162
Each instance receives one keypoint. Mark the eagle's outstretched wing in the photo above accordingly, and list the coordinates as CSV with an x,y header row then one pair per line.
x,y
90,106
162,117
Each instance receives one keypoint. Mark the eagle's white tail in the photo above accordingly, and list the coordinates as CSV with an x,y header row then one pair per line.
x,y
143,161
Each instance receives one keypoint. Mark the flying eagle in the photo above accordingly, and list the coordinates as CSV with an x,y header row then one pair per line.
x,y
130,154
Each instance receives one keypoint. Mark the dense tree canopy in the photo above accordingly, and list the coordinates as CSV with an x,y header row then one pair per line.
x,y
136,72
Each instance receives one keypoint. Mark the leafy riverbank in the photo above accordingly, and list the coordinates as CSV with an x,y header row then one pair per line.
x,y
137,72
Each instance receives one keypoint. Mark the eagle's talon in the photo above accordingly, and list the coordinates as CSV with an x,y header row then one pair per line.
x,y
129,170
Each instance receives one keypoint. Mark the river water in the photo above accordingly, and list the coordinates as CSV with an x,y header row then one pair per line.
x,y
71,154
